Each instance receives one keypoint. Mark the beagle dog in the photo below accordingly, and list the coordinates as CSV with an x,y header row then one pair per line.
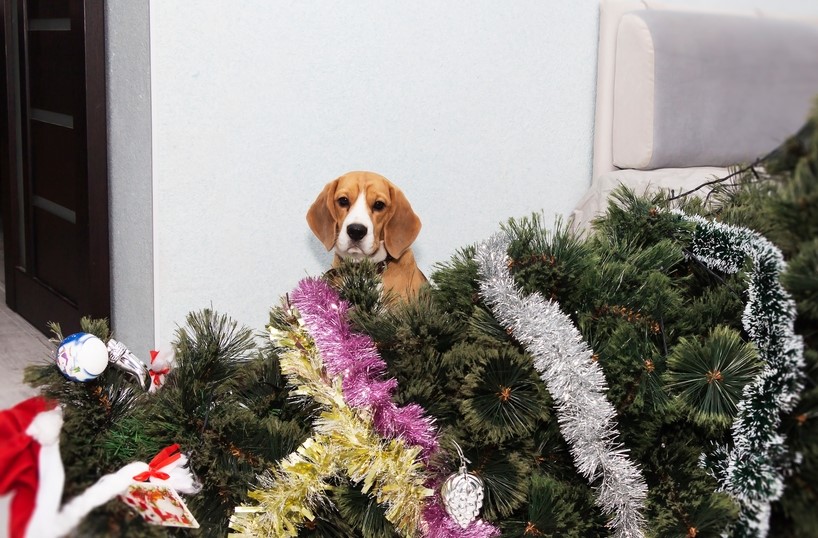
x,y
363,215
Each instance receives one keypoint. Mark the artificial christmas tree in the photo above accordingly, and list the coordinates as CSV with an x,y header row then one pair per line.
x,y
654,378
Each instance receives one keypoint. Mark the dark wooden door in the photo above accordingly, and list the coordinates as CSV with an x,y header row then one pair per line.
x,y
53,162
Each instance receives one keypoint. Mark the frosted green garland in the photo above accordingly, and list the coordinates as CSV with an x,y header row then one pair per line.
x,y
752,471
576,383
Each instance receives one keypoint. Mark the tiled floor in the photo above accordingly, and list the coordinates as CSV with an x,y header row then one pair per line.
x,y
20,345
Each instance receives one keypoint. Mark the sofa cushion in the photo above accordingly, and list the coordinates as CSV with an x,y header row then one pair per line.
x,y
701,89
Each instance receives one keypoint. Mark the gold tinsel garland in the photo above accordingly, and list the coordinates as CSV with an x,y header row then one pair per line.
x,y
345,443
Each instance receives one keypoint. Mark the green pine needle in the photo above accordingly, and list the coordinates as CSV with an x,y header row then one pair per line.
x,y
208,351
711,516
558,509
482,325
359,283
503,472
502,396
362,513
639,218
456,284
99,327
709,375
552,262
801,279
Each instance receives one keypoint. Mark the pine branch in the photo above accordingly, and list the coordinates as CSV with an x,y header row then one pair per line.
x,y
710,375
502,399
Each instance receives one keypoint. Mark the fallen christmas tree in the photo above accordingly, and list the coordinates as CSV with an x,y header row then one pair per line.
x,y
646,379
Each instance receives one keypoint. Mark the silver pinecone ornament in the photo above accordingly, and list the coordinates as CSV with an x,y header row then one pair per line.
x,y
462,494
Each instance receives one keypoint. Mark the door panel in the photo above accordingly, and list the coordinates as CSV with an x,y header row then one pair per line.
x,y
54,169
49,9
55,81
55,242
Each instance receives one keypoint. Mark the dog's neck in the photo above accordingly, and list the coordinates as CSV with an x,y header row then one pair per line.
x,y
381,258
378,256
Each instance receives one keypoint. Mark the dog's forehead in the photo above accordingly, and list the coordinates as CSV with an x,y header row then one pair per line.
x,y
375,186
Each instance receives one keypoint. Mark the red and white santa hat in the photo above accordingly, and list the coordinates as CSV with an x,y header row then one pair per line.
x,y
30,432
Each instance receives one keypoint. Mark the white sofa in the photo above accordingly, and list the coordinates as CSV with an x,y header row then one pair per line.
x,y
682,94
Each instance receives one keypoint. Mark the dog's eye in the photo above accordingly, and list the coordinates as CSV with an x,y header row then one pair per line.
x,y
343,201
378,206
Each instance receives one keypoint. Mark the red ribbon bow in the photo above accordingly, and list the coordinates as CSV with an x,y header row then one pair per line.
x,y
165,457
156,375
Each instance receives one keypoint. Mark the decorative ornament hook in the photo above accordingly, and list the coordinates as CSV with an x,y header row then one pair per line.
x,y
463,459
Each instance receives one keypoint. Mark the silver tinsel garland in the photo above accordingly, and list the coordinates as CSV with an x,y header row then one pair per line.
x,y
576,383
753,470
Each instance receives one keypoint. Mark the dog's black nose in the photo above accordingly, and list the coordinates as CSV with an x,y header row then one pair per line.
x,y
356,232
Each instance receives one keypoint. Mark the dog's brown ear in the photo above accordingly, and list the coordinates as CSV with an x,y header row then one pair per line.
x,y
403,225
321,215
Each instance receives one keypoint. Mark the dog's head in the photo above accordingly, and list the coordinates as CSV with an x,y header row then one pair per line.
x,y
363,215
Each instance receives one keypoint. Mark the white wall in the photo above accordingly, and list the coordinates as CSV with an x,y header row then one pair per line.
x,y
479,110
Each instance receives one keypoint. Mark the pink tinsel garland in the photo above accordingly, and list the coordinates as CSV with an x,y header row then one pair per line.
x,y
440,525
354,357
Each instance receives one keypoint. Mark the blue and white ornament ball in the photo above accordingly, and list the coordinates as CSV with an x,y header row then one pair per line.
x,y
82,356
